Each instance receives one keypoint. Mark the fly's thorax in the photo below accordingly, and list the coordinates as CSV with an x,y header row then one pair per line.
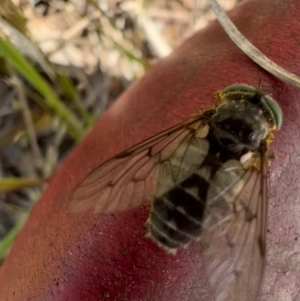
x,y
239,125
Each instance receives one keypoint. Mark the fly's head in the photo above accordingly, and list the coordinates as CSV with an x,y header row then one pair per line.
x,y
239,125
244,118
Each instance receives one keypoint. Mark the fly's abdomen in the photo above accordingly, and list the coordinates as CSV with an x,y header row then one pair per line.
x,y
176,216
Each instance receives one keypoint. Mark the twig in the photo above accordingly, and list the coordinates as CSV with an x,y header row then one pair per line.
x,y
38,158
52,152
250,50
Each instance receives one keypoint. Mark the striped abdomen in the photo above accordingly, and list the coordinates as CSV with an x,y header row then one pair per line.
x,y
176,216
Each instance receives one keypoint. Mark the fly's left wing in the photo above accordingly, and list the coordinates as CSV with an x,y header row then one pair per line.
x,y
137,175
234,230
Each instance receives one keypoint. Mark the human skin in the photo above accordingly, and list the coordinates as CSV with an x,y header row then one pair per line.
x,y
86,257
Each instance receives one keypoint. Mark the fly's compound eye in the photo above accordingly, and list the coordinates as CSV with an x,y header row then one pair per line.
x,y
274,111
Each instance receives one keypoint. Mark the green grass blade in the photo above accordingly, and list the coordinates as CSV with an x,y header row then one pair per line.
x,y
35,79
68,87
11,184
8,240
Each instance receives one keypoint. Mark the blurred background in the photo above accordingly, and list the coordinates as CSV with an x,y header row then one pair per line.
x,y
62,64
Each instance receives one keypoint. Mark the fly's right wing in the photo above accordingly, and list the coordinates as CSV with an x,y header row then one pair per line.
x,y
234,230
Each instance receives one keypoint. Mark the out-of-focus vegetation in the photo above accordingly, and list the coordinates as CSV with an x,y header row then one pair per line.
x,y
62,63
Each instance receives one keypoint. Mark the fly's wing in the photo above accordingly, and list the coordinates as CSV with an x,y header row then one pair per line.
x,y
135,176
234,230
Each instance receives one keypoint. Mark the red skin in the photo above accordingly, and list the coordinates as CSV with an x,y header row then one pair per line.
x,y
84,257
